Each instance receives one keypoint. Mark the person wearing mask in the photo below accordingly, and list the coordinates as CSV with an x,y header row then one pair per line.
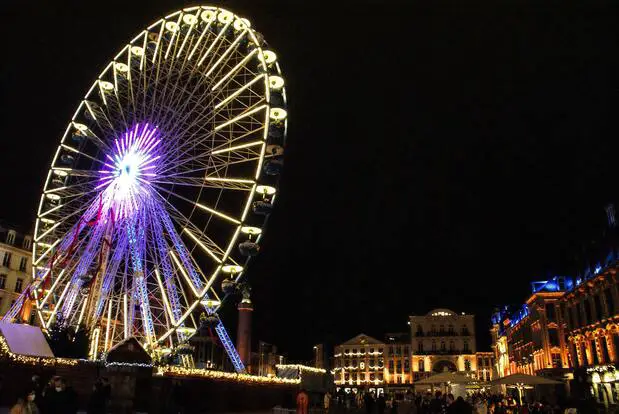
x,y
61,399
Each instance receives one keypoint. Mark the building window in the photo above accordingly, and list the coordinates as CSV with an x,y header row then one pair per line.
x,y
553,336
597,302
450,329
433,329
550,312
371,350
419,330
27,242
465,330
354,350
391,366
18,285
452,345
390,350
420,346
610,303
441,329
2,281
22,264
587,311
398,366
466,346
10,237
442,345
6,261
467,364
407,365
421,365
406,350
433,345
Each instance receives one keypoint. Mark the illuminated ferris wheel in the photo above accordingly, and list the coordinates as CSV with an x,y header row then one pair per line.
x,y
159,190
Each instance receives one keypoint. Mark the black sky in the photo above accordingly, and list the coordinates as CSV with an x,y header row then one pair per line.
x,y
438,155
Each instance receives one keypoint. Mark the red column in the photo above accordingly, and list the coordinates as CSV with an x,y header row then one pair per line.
x,y
243,334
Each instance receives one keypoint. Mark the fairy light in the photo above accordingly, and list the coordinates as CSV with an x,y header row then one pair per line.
x,y
176,371
301,368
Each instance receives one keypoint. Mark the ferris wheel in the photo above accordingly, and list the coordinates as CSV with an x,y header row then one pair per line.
x,y
160,188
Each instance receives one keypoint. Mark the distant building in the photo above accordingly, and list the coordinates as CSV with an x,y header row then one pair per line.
x,y
443,340
265,360
320,357
15,267
438,341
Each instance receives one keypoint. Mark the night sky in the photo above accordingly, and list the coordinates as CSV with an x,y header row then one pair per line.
x,y
438,156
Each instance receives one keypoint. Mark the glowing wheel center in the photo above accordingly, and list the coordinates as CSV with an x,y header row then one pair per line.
x,y
133,161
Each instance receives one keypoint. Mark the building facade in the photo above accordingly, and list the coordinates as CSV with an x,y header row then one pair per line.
x,y
568,329
443,340
15,267
438,341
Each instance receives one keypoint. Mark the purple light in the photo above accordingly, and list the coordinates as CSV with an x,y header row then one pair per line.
x,y
126,178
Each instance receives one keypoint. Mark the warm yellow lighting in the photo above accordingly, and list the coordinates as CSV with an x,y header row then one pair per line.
x,y
172,370
185,330
163,351
278,114
269,56
301,367
53,197
61,173
225,17
210,303
121,67
254,231
47,221
265,189
80,127
232,269
240,24
171,27
190,19
106,86
276,82
137,50
208,15
595,378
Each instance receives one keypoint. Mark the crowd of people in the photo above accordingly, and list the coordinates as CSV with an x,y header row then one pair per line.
x,y
58,397
441,403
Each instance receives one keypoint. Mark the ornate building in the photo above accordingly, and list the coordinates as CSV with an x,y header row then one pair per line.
x,y
443,340
15,267
532,338
440,340
592,316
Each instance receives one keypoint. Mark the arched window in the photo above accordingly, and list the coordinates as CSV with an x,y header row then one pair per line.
x,y
441,329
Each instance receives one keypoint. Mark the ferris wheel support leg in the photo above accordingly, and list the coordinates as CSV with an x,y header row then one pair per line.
x,y
234,356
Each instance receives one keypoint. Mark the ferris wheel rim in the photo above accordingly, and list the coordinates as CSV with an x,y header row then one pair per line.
x,y
103,86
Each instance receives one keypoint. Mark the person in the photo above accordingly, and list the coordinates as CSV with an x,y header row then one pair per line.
x,y
436,405
61,399
25,405
98,398
459,406
381,404
327,401
302,402
481,405
368,400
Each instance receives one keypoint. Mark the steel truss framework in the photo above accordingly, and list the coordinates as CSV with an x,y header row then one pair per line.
x,y
155,181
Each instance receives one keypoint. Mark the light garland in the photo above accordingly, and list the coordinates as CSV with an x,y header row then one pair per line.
x,y
221,375
301,368
34,361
